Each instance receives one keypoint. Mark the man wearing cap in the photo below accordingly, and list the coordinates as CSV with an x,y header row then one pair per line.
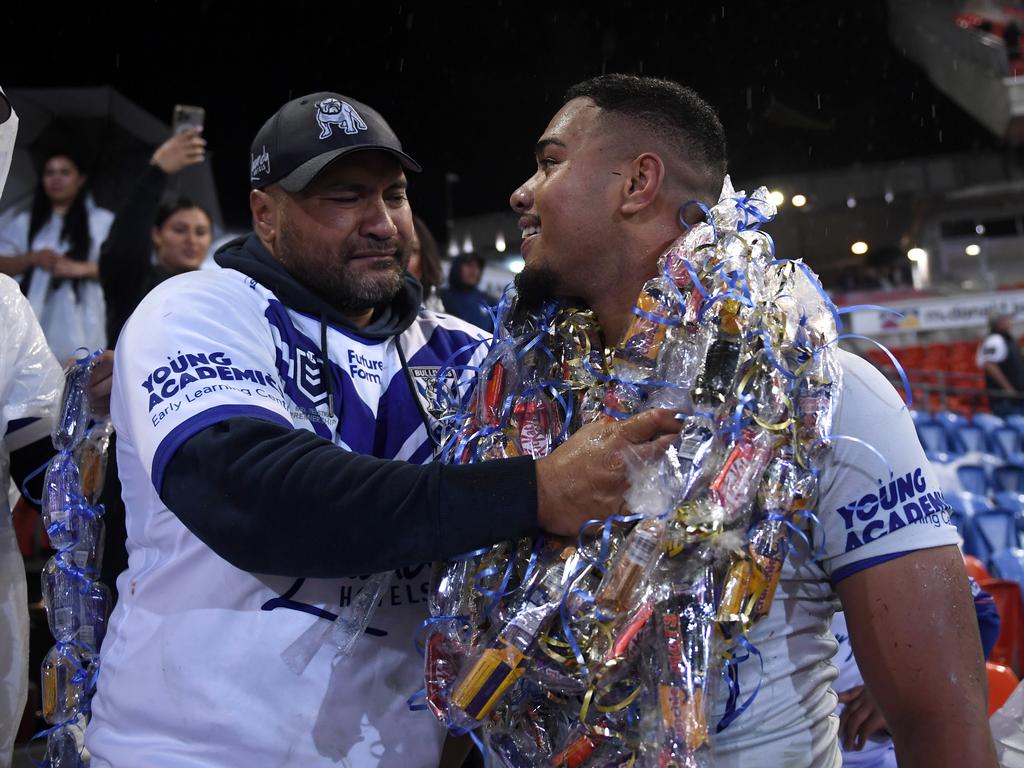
x,y
1000,358
274,449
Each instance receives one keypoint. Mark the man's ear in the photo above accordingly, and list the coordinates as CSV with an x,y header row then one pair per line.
x,y
644,180
264,208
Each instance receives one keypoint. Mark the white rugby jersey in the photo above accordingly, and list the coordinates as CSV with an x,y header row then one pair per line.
x,y
867,513
192,673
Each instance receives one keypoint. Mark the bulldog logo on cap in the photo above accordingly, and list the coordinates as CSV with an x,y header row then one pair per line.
x,y
332,112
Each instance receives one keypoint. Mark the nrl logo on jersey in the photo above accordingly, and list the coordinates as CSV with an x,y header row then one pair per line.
x,y
427,383
334,112
308,374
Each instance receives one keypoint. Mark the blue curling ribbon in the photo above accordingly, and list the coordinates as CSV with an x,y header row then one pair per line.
x,y
669,321
859,307
707,216
770,354
731,672
563,609
411,702
34,474
908,395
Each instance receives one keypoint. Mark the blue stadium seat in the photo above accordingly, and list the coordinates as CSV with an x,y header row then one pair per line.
x,y
966,503
951,421
1009,477
990,531
973,478
971,437
1011,501
1006,442
988,421
917,415
1009,564
1016,421
934,437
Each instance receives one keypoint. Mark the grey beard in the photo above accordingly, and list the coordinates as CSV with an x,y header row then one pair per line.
x,y
335,282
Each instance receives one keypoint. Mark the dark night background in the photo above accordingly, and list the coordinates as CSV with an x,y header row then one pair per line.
x,y
470,86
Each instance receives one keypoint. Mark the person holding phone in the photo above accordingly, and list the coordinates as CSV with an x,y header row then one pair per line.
x,y
53,250
177,229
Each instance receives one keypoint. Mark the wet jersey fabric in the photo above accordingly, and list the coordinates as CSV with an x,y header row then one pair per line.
x,y
871,508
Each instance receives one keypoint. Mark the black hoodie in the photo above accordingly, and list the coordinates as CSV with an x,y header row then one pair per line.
x,y
280,501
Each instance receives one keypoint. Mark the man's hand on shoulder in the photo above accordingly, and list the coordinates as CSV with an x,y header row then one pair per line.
x,y
585,477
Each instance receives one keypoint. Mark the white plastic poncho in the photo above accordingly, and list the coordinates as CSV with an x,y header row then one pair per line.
x,y
30,384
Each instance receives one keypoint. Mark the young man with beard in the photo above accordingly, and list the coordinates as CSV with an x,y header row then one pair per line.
x,y
614,166
274,450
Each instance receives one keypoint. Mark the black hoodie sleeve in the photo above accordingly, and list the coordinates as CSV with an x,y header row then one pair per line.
x,y
281,501
125,258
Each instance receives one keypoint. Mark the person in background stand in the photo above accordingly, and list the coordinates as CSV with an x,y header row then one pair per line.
x,y
462,297
1000,358
53,250
425,264
178,230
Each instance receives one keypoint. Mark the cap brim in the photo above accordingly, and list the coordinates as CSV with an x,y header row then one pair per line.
x,y
299,179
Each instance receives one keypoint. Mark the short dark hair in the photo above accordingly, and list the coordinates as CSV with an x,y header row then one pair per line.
x,y
172,205
673,112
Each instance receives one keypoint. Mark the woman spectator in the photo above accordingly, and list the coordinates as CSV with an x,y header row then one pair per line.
x,y
178,230
425,264
53,250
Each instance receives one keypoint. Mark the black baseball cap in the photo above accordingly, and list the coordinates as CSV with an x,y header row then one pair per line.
x,y
309,132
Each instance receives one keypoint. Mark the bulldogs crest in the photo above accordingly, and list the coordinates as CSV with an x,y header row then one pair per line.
x,y
332,112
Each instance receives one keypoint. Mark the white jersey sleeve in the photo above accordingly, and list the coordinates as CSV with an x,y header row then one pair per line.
x,y
876,505
30,377
197,351
14,236
991,350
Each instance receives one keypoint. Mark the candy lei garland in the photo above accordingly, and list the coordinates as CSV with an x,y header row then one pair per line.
x,y
77,605
607,650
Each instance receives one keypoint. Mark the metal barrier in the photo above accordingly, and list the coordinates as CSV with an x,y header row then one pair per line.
x,y
946,385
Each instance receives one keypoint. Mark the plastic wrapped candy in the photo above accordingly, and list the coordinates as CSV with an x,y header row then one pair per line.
x,y
636,559
73,417
681,669
61,493
63,682
355,617
91,457
714,382
657,309
499,664
65,746
736,484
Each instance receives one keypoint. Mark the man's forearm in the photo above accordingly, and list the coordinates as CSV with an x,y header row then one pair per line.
x,y
275,500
